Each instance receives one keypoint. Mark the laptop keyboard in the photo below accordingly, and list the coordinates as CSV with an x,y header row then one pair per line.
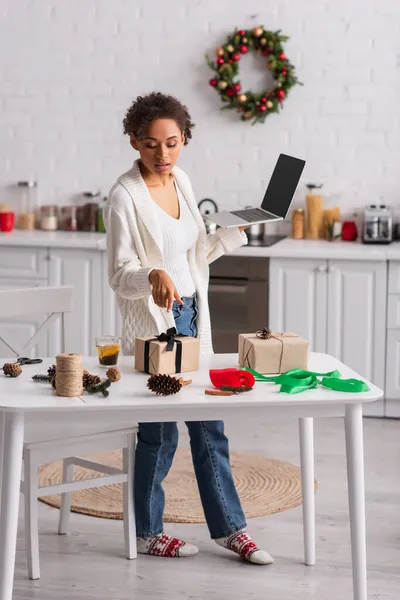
x,y
252,214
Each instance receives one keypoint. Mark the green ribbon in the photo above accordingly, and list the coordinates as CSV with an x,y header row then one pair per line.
x,y
299,380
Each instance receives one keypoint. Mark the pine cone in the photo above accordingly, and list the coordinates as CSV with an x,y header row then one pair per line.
x,y
264,334
51,371
89,379
164,385
113,373
12,369
53,383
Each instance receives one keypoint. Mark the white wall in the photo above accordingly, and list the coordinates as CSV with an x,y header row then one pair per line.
x,y
70,68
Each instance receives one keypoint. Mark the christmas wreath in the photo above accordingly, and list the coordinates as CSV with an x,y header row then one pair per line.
x,y
252,105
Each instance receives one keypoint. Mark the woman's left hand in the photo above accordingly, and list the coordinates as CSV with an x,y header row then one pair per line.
x,y
243,227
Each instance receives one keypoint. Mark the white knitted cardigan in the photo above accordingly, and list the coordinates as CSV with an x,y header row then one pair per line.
x,y
134,248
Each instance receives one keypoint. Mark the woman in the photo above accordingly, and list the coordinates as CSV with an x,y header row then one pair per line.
x,y
158,256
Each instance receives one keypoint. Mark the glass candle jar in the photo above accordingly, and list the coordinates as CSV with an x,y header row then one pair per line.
x,y
69,221
108,348
49,218
28,204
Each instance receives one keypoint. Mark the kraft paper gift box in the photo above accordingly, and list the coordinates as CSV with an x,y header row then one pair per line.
x,y
167,353
278,353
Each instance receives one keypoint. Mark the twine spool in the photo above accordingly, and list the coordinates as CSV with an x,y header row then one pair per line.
x,y
69,375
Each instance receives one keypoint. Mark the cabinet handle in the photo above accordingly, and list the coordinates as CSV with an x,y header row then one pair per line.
x,y
321,269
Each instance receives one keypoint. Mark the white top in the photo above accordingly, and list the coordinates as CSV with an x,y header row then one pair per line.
x,y
131,392
179,236
135,247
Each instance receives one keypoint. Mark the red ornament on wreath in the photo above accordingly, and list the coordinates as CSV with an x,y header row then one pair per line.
x,y
258,105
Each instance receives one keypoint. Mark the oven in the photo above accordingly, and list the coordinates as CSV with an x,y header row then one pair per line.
x,y
238,297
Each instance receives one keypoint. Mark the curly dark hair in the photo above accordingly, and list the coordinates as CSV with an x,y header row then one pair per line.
x,y
156,105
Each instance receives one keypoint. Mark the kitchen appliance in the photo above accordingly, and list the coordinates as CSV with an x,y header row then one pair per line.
x,y
238,299
378,224
255,231
206,207
277,199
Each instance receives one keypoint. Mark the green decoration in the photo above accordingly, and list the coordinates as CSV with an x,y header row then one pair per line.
x,y
100,387
299,380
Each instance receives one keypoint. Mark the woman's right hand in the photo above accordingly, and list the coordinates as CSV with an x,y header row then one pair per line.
x,y
163,290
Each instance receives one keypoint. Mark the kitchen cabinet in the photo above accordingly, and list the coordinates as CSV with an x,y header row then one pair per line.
x,y
297,299
339,306
392,386
83,270
111,317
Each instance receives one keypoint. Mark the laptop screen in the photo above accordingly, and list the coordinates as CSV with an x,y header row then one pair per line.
x,y
282,185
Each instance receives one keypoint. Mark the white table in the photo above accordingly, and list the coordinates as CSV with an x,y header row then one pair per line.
x,y
31,412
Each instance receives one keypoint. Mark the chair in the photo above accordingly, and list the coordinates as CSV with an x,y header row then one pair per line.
x,y
55,302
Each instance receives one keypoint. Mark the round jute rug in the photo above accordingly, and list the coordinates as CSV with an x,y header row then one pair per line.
x,y
265,486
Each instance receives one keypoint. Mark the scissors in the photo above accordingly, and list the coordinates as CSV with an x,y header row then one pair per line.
x,y
23,360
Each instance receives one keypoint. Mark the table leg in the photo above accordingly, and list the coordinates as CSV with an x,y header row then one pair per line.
x,y
306,432
2,433
355,483
13,446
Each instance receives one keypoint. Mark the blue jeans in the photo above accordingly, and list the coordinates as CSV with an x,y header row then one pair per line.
x,y
157,443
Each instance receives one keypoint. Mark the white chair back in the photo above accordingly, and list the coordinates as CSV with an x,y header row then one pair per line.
x,y
51,301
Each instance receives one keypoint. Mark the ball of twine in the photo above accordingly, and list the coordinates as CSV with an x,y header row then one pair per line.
x,y
69,375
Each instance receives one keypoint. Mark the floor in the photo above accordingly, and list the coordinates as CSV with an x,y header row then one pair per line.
x,y
89,564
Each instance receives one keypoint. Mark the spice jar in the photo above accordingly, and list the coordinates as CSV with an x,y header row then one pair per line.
x,y
49,217
28,204
298,224
69,221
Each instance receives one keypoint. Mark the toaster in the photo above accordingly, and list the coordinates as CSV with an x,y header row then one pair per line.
x,y
378,224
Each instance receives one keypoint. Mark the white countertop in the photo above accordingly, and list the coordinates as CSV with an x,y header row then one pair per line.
x,y
289,248
286,248
54,239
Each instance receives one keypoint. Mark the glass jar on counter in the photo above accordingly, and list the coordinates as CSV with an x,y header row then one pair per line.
x,y
89,212
49,217
69,220
298,224
28,204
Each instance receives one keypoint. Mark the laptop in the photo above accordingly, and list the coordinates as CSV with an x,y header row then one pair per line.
x,y
277,199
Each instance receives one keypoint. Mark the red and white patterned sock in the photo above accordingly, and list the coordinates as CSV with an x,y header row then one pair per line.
x,y
241,543
165,545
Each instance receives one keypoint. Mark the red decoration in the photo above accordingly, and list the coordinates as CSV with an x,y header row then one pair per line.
x,y
230,61
284,73
239,109
220,60
230,92
241,32
231,377
265,52
213,82
262,108
282,56
236,56
280,94
349,231
243,48
263,100
237,87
